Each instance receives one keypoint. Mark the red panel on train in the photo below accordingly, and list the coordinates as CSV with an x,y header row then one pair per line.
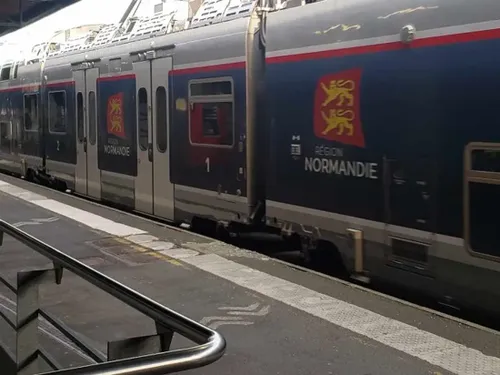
x,y
336,108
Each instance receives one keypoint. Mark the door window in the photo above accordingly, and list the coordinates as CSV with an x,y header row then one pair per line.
x,y
143,121
79,117
92,118
161,119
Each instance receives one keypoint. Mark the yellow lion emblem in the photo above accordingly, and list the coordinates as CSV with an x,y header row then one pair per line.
x,y
115,107
339,89
340,119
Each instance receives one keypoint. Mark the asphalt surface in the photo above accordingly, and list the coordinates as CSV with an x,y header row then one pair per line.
x,y
269,337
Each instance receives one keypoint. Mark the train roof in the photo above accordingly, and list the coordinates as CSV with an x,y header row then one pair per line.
x,y
321,23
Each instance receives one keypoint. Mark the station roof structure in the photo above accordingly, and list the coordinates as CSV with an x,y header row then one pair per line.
x,y
15,14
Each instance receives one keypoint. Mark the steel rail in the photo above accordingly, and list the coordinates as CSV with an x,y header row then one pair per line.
x,y
211,345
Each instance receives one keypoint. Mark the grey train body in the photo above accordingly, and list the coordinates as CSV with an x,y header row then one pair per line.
x,y
368,219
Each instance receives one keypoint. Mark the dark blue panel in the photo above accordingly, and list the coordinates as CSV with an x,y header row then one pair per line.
x,y
418,108
57,147
29,142
189,161
117,125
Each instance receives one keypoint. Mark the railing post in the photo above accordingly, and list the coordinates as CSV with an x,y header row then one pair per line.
x,y
27,323
166,336
139,346
27,347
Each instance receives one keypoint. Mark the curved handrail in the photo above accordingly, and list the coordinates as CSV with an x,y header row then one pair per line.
x,y
211,344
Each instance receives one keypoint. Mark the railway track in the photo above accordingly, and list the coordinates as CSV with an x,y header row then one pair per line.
x,y
289,253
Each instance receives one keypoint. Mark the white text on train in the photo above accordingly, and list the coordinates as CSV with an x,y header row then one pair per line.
x,y
117,150
342,167
328,151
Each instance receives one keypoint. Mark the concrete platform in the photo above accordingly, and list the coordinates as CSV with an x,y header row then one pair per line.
x,y
276,319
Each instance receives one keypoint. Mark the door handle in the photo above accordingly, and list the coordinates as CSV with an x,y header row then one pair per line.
x,y
84,144
150,152
240,173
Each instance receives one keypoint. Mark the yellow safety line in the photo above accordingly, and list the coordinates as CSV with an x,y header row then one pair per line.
x,y
149,252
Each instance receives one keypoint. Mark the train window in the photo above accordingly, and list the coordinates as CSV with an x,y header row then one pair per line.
x,y
482,194
211,113
31,112
92,118
211,123
161,119
486,160
115,65
143,122
210,88
80,117
483,220
5,74
57,112
14,74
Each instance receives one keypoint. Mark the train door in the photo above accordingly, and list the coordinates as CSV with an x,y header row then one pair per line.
x,y
93,172
410,184
87,174
6,138
410,204
154,193
81,141
482,199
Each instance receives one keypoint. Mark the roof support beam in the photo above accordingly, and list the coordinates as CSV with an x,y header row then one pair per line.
x,y
16,14
21,10
14,21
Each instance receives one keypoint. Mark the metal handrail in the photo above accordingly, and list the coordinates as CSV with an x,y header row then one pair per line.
x,y
211,344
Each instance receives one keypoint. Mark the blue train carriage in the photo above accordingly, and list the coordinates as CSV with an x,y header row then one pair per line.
x,y
62,116
9,120
208,123
21,125
117,137
390,150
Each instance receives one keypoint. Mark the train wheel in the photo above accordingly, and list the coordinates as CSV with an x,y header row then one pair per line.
x,y
323,256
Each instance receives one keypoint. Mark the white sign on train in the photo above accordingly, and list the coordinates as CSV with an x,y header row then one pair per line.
x,y
342,167
117,150
322,150
113,148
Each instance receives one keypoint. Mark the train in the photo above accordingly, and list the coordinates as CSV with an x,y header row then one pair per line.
x,y
368,130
